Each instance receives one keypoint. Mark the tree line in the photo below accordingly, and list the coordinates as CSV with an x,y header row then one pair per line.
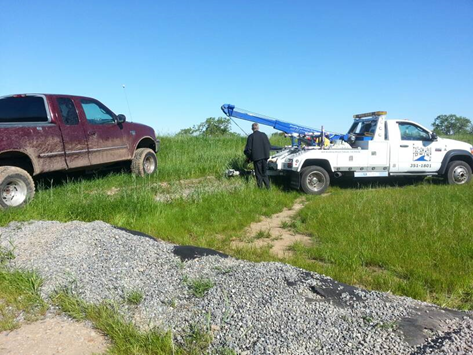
x,y
446,125
449,125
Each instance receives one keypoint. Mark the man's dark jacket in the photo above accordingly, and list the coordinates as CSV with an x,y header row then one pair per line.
x,y
257,146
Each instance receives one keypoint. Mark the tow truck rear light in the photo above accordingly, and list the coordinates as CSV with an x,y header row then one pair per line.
x,y
289,163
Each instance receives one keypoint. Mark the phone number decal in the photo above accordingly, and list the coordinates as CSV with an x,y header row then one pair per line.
x,y
413,165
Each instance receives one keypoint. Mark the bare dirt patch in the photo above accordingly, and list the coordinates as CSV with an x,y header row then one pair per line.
x,y
55,335
269,232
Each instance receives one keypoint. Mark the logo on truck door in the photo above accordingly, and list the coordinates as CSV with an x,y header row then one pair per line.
x,y
422,153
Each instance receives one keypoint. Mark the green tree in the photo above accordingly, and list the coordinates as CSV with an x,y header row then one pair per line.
x,y
211,127
452,124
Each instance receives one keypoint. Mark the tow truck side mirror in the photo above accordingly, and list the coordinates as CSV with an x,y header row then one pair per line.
x,y
433,136
121,118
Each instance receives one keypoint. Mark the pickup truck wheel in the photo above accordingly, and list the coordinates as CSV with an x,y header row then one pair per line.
x,y
16,187
144,162
314,180
458,173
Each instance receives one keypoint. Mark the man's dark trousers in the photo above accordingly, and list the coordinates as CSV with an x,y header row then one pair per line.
x,y
261,172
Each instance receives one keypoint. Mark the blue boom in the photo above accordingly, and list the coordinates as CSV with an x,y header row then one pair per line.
x,y
286,127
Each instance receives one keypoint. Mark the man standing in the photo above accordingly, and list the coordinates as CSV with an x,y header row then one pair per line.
x,y
257,151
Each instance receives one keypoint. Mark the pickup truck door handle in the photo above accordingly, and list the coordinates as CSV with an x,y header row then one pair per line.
x,y
404,145
92,133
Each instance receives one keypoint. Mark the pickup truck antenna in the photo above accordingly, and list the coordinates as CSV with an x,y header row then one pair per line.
x,y
127,103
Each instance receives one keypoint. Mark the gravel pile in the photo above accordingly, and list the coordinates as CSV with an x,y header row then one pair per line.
x,y
253,308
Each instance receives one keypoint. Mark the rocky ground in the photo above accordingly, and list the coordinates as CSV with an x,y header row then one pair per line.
x,y
257,308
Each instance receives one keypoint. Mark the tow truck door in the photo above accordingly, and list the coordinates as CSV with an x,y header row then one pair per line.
x,y
417,152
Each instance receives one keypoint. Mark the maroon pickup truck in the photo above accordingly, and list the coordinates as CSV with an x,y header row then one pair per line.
x,y
42,133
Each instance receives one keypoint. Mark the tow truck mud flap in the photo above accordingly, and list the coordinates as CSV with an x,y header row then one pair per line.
x,y
295,180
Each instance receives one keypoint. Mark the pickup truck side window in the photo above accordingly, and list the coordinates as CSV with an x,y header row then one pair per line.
x,y
68,111
410,132
22,109
96,113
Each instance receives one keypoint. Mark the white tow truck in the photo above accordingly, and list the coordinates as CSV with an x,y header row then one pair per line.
x,y
375,148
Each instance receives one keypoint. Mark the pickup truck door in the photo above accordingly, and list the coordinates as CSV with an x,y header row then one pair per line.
x,y
417,152
105,137
73,134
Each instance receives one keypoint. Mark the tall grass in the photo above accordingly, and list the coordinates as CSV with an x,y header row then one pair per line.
x,y
19,295
415,241
212,211
468,138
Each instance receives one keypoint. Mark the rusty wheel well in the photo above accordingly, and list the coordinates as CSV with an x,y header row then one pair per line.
x,y
18,159
319,162
147,143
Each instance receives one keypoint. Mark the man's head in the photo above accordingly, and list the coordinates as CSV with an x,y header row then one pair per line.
x,y
255,127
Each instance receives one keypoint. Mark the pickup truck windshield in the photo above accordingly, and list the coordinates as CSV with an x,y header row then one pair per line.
x,y
22,109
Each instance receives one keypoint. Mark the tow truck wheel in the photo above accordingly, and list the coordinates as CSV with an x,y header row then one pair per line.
x,y
458,173
314,180
144,162
16,187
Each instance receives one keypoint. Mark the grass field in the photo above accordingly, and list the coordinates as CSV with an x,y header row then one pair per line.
x,y
413,240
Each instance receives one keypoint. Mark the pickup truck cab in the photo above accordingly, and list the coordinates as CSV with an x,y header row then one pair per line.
x,y
375,148
42,133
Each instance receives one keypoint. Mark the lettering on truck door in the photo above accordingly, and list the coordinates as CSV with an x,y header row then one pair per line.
x,y
105,137
417,151
73,133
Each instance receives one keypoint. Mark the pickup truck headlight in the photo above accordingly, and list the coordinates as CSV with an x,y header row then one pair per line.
x,y
471,150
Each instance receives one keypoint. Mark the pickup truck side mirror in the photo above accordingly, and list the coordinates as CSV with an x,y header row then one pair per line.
x,y
433,136
121,118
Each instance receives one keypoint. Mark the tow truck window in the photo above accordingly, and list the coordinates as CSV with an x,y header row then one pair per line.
x,y
410,132
364,128
68,111
22,109
95,113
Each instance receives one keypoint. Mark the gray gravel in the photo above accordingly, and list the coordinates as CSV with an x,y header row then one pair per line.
x,y
253,308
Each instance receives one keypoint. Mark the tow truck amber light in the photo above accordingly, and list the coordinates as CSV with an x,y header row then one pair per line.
x,y
371,114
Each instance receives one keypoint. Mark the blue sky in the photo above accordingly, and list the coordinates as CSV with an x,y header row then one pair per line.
x,y
309,62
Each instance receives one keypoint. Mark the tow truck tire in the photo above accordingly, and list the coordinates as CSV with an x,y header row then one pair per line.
x,y
144,162
16,187
314,180
458,173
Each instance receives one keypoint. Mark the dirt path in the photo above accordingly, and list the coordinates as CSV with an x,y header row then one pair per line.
x,y
270,232
50,336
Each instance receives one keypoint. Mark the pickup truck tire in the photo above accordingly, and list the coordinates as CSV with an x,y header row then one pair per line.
x,y
16,187
458,173
144,162
314,180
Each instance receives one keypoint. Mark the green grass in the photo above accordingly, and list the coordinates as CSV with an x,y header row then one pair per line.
x,y
125,337
414,241
19,296
468,138
199,287
134,297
